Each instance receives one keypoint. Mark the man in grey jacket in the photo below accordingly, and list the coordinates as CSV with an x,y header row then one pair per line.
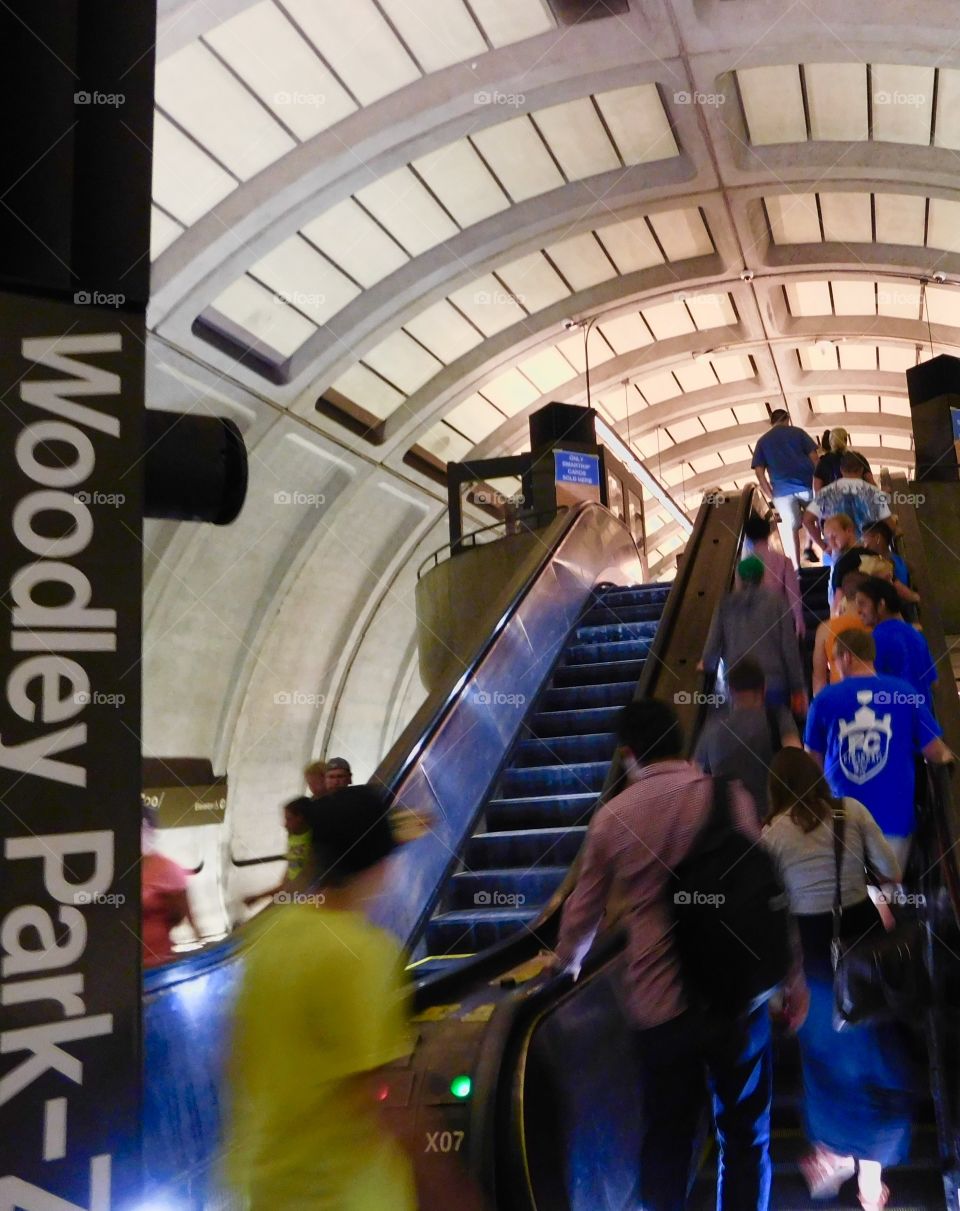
x,y
756,622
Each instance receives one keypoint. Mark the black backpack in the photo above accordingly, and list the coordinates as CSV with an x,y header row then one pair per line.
x,y
732,915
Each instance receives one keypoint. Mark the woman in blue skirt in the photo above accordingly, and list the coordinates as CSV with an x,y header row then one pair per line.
x,y
858,1083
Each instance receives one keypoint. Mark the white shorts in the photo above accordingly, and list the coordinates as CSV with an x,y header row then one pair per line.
x,y
791,508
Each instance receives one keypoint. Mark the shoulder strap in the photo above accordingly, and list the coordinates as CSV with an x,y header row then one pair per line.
x,y
773,727
721,800
839,820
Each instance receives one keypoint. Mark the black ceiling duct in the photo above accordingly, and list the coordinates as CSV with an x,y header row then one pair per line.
x,y
572,12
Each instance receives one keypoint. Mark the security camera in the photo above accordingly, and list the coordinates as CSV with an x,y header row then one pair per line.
x,y
939,277
746,275
570,325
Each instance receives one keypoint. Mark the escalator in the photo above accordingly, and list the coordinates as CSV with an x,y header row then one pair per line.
x,y
556,1123
508,792
535,821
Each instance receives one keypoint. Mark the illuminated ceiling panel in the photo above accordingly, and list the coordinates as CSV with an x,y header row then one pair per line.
x,y
837,101
258,310
897,358
488,305
476,418
402,361
186,181
630,244
506,21
947,129
638,123
461,181
516,153
444,331
626,332
401,204
195,89
854,298
900,218
358,44
445,443
438,35
682,234
548,369
902,103
582,261
264,49
847,217
355,242
367,389
163,231
943,230
793,218
304,279
533,281
668,319
808,298
577,138
783,122
511,392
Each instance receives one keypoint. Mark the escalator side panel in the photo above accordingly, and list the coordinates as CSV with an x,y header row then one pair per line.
x,y
453,778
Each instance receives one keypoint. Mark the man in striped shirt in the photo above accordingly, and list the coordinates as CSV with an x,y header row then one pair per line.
x,y
633,844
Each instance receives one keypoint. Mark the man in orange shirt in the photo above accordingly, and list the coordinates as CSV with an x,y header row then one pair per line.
x,y
825,671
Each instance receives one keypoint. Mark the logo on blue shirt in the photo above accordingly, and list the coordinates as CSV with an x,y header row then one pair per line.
x,y
864,741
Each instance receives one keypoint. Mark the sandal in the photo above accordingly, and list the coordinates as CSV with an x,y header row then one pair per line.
x,y
825,1174
877,1204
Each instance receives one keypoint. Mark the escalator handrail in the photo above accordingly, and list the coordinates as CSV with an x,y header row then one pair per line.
x,y
541,933
528,521
416,736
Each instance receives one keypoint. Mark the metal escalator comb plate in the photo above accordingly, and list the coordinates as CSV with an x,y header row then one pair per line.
x,y
482,1013
436,1013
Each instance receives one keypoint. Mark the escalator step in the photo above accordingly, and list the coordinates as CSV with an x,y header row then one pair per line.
x,y
562,750
604,615
540,811
616,632
472,930
502,887
571,697
579,778
593,653
529,845
568,723
636,595
601,673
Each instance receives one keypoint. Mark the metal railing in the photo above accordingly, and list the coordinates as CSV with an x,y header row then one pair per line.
x,y
524,523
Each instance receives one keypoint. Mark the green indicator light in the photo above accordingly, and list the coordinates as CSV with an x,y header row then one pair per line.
x,y
460,1086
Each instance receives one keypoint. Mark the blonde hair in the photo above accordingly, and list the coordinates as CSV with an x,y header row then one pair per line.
x,y
839,440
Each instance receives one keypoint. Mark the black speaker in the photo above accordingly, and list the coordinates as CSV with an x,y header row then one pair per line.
x,y
559,424
934,391
195,467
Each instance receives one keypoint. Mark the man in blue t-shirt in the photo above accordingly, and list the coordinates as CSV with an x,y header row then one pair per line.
x,y
784,459
867,732
901,650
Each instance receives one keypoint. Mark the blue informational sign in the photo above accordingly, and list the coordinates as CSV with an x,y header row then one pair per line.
x,y
573,468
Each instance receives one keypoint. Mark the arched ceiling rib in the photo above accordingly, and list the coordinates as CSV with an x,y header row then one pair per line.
x,y
410,257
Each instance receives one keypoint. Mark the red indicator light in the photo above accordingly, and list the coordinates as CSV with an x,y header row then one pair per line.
x,y
383,1093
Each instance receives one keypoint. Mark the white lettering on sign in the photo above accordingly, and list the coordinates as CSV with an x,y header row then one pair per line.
x,y
18,1195
49,692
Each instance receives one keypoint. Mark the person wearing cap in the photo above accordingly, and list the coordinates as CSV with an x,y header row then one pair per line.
x,y
322,1010
828,470
756,622
783,459
338,775
315,777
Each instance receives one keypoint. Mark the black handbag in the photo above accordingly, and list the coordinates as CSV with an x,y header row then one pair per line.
x,y
881,977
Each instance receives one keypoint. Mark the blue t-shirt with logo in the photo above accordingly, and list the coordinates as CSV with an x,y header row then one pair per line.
x,y
785,454
870,730
903,652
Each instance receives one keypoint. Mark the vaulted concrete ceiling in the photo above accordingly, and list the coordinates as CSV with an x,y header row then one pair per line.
x,y
396,205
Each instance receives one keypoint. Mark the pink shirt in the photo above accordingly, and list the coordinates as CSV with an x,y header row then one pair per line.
x,y
633,843
781,576
160,878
